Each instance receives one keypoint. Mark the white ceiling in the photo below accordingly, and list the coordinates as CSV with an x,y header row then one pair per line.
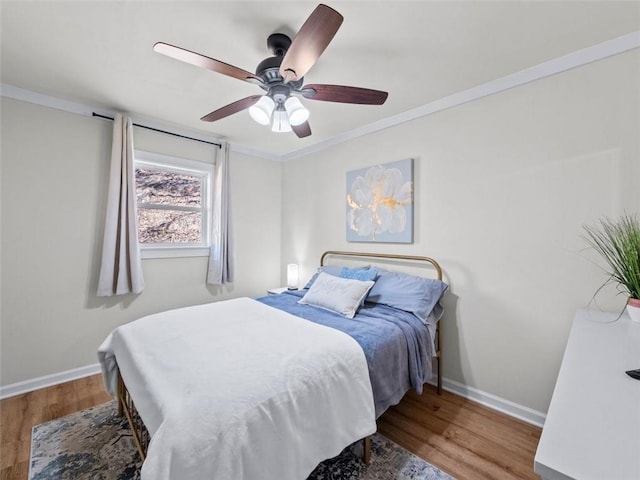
x,y
100,54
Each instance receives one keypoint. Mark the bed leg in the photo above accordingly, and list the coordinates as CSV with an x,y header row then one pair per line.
x,y
439,391
438,359
366,451
120,395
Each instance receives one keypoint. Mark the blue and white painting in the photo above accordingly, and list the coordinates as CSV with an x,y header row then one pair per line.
x,y
380,203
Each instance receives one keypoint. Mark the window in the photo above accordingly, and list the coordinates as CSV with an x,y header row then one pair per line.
x,y
174,205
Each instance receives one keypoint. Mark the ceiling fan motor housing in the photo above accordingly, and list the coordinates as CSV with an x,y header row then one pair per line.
x,y
269,68
278,44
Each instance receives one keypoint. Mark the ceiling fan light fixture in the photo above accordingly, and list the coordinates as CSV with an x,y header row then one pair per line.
x,y
282,75
261,110
296,112
280,121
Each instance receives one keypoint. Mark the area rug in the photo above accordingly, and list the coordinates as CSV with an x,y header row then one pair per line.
x,y
96,444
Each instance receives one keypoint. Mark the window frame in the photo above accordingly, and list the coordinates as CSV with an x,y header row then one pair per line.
x,y
204,170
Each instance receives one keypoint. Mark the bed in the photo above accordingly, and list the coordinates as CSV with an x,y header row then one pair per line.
x,y
269,387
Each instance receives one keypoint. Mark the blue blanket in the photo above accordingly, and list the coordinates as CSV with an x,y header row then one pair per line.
x,y
397,344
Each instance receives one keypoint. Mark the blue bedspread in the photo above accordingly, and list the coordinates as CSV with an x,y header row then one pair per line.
x,y
397,344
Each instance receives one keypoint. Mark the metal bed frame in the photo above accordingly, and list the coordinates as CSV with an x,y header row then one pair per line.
x,y
409,258
126,406
139,431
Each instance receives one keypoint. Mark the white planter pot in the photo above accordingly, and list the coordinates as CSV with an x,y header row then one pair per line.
x,y
633,309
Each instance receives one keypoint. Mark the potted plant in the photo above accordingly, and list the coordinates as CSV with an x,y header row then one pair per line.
x,y
618,241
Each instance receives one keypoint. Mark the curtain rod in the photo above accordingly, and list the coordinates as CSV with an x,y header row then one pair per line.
x,y
161,131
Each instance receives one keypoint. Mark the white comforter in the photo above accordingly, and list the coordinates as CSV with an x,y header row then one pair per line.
x,y
238,390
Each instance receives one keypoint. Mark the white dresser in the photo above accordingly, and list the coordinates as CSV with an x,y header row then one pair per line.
x,y
592,430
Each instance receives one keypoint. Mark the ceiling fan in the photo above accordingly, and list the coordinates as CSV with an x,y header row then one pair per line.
x,y
281,76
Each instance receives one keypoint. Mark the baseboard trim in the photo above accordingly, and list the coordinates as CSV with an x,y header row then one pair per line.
x,y
494,402
18,388
489,400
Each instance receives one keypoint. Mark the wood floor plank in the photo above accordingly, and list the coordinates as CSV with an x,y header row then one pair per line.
x,y
18,471
465,439
480,454
517,430
513,439
461,437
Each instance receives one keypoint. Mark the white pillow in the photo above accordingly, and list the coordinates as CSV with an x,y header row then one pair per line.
x,y
340,295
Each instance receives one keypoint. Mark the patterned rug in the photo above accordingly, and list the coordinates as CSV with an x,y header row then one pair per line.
x,y
96,444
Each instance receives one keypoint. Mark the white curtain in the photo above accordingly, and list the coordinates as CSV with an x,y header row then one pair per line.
x,y
121,267
220,270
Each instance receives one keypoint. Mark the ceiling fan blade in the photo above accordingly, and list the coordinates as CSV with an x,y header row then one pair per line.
x,y
344,94
302,130
230,109
205,62
311,40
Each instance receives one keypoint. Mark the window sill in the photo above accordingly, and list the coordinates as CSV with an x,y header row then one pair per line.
x,y
169,252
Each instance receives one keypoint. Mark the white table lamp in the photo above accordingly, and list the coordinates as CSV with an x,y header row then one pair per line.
x,y
292,276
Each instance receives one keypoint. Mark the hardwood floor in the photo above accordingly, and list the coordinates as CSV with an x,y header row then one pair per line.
x,y
462,438
18,414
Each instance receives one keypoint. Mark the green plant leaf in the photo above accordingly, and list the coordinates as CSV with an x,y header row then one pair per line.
x,y
618,242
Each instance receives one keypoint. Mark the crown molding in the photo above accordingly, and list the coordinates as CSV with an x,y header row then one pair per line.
x,y
570,61
29,96
17,93
254,152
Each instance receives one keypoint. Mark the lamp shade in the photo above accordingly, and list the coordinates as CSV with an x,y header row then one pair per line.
x,y
296,111
261,110
280,121
292,276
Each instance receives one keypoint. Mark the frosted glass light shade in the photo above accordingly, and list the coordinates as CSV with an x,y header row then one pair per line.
x,y
261,110
296,111
292,276
280,122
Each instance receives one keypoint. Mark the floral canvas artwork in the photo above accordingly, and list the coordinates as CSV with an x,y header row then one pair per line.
x,y
380,203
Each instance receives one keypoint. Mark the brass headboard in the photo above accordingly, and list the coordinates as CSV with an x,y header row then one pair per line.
x,y
391,256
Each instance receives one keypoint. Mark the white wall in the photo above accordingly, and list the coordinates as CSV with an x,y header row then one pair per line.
x,y
503,186
54,172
